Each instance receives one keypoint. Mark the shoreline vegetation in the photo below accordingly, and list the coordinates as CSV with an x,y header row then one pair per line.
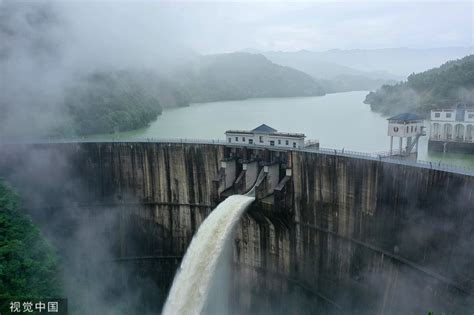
x,y
108,102
30,266
442,87
126,100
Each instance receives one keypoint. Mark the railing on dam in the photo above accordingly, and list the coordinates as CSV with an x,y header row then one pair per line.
x,y
389,159
376,156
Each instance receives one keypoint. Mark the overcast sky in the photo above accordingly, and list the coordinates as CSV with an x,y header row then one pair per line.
x,y
45,47
220,26
324,25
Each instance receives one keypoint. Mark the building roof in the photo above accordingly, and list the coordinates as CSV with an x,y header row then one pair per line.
x,y
406,117
274,134
243,132
289,134
264,129
460,106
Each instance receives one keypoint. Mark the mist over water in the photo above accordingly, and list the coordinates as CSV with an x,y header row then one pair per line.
x,y
338,120
195,276
48,47
331,118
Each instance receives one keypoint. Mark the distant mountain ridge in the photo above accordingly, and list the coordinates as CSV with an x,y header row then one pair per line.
x,y
398,62
322,68
444,86
364,69
335,77
234,76
243,75
109,101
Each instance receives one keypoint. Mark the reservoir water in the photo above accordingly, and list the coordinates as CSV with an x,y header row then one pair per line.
x,y
339,120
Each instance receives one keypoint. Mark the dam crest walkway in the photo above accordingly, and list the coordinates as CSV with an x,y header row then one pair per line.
x,y
375,156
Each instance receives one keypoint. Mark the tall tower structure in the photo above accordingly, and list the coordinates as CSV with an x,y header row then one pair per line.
x,y
408,128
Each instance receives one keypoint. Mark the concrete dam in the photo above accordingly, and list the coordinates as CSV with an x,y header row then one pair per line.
x,y
327,234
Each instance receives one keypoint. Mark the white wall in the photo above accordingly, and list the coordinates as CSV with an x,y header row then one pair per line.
x,y
299,141
404,130
443,115
449,131
241,137
265,140
469,113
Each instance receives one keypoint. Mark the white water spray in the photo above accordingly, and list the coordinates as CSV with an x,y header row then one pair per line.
x,y
191,285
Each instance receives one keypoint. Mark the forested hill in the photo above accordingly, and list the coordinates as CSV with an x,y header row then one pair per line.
x,y
451,83
109,101
104,102
334,76
29,264
243,75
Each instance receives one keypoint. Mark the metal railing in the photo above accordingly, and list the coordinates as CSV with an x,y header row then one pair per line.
x,y
451,139
311,142
390,159
375,156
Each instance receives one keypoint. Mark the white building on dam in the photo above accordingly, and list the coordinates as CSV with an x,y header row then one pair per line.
x,y
452,130
267,136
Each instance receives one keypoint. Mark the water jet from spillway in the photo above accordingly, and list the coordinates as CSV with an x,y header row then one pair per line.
x,y
193,280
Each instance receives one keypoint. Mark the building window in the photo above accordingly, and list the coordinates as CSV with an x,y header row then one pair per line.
x,y
279,141
287,142
415,128
407,128
470,116
230,140
272,142
437,115
261,139
243,139
294,144
250,141
411,128
236,139
448,115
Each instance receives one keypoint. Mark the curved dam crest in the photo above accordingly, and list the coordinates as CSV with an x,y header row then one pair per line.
x,y
327,234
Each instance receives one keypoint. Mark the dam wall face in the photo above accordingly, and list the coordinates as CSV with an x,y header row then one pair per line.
x,y
133,206
399,238
338,235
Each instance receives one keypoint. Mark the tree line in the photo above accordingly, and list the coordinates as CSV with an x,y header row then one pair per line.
x,y
441,87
